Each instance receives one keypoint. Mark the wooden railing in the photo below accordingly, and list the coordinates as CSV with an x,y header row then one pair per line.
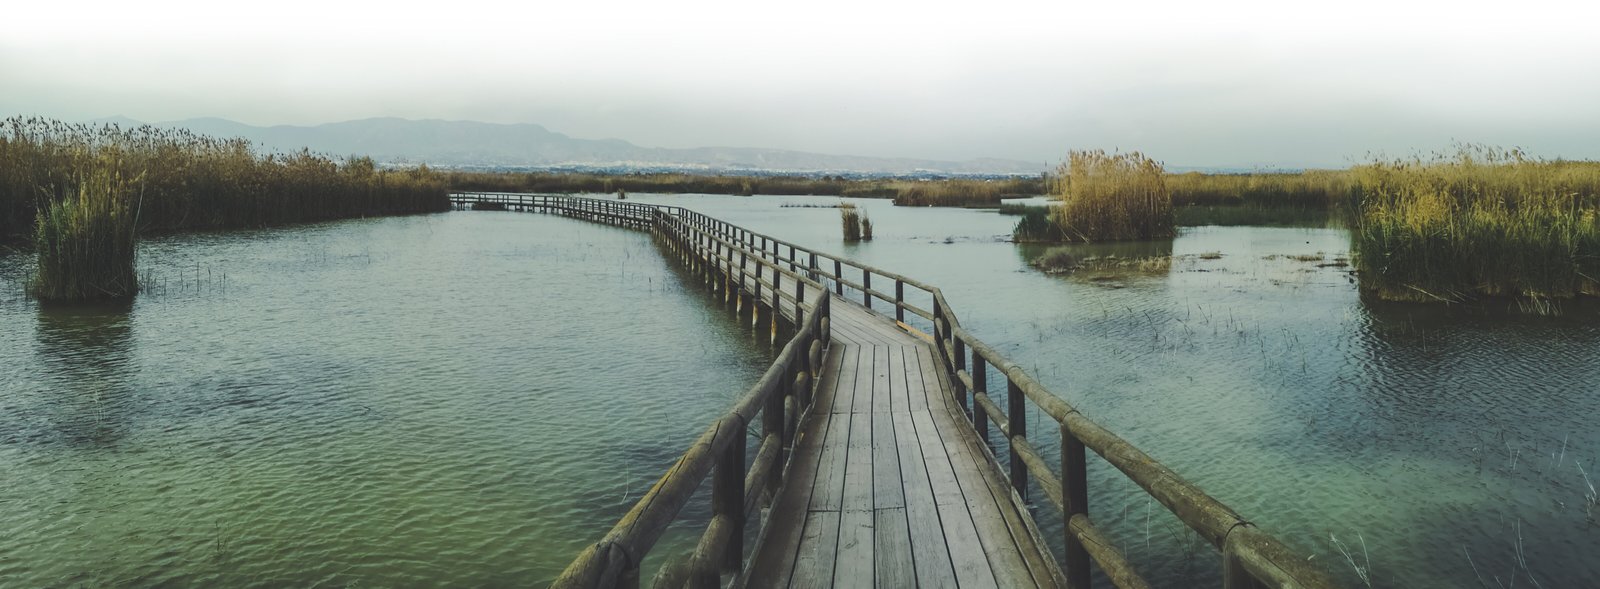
x,y
1250,556
780,400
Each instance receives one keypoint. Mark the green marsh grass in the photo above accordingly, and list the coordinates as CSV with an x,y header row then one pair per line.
x,y
86,239
1482,222
1113,197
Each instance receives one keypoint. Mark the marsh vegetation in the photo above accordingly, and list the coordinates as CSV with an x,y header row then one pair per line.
x,y
84,192
943,192
1113,197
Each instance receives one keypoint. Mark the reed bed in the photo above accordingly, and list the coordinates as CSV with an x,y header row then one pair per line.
x,y
1113,197
1482,222
1310,189
192,181
1035,226
86,238
956,192
964,192
850,221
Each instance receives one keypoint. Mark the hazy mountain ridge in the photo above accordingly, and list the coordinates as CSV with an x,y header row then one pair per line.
x,y
525,145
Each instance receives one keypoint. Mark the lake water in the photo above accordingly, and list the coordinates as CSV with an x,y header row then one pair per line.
x,y
470,397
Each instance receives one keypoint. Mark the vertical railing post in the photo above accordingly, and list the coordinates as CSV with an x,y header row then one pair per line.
x,y
799,300
1075,493
960,360
774,421
838,278
899,300
1017,414
866,287
980,381
727,494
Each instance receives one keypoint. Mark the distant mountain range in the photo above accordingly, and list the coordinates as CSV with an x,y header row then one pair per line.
x,y
491,145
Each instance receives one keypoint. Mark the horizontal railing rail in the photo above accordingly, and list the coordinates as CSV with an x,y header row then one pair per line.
x,y
1250,556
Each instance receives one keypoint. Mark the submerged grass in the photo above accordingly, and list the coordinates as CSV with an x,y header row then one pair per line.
x,y
86,238
1482,222
1111,197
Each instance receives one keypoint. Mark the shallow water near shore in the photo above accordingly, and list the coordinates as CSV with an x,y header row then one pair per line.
x,y
471,397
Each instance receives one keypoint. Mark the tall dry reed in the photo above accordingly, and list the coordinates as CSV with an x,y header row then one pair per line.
x,y
1479,222
192,181
1111,197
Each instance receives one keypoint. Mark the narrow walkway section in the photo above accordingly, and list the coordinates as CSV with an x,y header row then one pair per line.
x,y
888,487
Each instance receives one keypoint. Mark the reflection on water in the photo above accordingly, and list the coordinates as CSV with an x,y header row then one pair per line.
x,y
395,402
87,350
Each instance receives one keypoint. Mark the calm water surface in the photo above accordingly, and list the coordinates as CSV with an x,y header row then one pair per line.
x,y
413,400
459,399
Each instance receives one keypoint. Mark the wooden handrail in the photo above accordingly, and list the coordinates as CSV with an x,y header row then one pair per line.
x,y
1251,557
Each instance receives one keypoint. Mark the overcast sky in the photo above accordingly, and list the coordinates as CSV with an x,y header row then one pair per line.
x,y
1194,83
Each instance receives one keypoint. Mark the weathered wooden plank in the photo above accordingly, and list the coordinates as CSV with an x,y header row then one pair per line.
x,y
887,488
828,492
774,562
845,391
931,555
829,380
863,380
858,481
819,545
928,370
1013,545
853,565
892,562
882,364
899,382
967,555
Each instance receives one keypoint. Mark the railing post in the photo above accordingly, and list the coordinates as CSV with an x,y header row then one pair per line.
x,y
774,421
866,287
814,266
1017,414
727,495
899,300
960,360
980,381
838,278
799,299
1075,493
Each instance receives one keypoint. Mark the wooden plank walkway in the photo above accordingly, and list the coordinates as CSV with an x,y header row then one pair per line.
x,y
887,486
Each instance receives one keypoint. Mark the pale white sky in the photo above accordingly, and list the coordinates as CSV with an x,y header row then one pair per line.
x,y
1191,83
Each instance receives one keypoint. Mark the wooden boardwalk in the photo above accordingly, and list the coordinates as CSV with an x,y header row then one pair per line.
x,y
888,486
866,470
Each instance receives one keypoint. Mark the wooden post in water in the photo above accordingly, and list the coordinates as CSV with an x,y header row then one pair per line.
x,y
1018,416
1075,493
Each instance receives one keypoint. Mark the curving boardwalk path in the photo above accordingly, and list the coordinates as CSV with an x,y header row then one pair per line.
x,y
888,487
866,467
